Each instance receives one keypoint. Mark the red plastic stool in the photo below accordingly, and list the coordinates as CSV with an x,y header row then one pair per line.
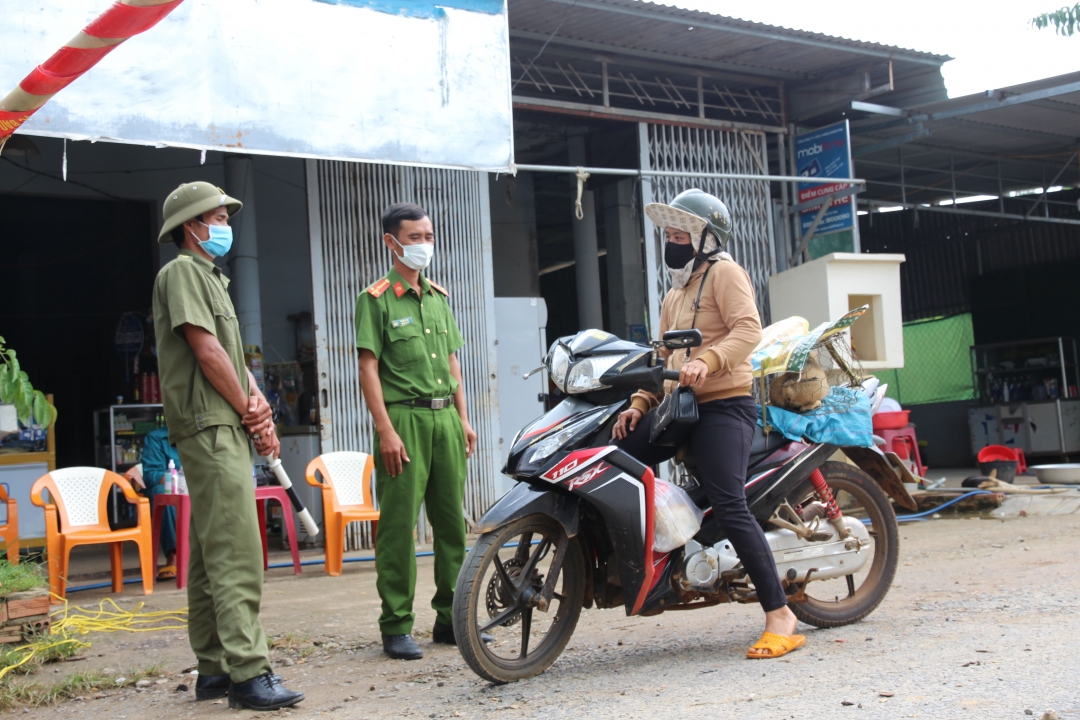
x,y
182,503
903,442
273,492
1021,461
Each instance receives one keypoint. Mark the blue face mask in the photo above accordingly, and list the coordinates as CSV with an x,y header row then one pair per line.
x,y
219,242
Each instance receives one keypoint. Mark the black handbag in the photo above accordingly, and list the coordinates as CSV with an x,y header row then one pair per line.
x,y
678,412
676,415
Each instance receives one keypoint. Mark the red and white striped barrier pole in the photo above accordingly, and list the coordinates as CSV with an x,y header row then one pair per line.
x,y
123,20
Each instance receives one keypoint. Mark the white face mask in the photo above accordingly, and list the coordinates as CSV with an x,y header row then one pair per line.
x,y
418,256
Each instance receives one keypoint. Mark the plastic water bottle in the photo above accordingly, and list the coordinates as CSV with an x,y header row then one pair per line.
x,y
170,479
182,479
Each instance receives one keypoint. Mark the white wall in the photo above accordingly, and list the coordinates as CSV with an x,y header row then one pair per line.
x,y
520,324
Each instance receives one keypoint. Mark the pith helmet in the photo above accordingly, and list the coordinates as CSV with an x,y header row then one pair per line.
x,y
192,200
692,211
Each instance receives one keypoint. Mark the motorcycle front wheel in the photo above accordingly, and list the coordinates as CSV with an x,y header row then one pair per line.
x,y
845,600
500,592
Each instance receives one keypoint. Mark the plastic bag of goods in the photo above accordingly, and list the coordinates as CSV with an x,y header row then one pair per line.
x,y
677,518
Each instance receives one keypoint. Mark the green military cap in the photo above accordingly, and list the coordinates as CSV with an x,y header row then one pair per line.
x,y
192,200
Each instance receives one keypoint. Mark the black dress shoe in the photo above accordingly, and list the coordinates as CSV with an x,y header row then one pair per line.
x,y
211,687
445,634
401,647
215,687
264,692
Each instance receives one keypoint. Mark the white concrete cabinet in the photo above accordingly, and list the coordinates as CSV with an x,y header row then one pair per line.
x,y
824,289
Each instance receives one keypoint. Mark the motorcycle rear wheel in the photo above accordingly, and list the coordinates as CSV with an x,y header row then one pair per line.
x,y
859,496
492,596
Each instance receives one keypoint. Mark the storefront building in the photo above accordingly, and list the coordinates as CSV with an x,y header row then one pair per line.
x,y
648,99
212,93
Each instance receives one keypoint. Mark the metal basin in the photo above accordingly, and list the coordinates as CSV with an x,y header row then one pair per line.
x,y
1068,474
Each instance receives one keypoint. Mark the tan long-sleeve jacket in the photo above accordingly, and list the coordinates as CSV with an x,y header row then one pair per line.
x,y
730,328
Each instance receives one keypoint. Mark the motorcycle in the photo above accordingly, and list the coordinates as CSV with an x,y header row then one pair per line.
x,y
577,531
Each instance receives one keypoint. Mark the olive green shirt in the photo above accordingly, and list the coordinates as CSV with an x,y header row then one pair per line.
x,y
192,290
411,335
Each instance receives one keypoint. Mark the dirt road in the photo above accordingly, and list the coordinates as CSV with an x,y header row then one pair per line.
x,y
981,623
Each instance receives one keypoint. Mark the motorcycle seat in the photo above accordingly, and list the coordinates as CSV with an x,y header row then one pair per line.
x,y
762,445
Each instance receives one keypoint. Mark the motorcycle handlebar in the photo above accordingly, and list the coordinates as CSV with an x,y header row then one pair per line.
x,y
671,374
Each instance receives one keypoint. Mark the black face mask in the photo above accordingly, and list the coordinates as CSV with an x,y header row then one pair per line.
x,y
676,256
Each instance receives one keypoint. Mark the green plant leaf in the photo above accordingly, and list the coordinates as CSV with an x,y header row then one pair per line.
x,y
42,409
27,400
23,408
7,388
12,367
10,378
1065,20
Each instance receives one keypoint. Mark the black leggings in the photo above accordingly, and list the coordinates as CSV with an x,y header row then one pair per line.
x,y
721,445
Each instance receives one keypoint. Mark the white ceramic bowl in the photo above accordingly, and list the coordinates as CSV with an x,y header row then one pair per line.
x,y
1058,474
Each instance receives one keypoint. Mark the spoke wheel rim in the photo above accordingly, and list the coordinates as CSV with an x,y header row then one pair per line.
x,y
523,631
496,595
849,590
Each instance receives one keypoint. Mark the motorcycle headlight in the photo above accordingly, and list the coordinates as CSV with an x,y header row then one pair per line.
x,y
585,375
558,364
545,448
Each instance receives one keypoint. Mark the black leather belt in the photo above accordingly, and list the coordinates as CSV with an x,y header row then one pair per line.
x,y
430,404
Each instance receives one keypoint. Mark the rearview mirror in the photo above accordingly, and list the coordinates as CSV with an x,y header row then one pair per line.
x,y
678,339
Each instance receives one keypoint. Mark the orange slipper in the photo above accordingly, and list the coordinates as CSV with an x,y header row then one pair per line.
x,y
774,646
167,573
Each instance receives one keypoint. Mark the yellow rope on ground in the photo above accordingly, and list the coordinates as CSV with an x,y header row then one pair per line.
x,y
80,621
116,620
31,649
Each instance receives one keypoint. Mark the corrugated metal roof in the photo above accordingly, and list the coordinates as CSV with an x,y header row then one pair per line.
x,y
689,35
785,32
1032,141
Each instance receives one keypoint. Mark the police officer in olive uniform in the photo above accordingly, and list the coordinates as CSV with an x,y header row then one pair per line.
x,y
212,406
409,373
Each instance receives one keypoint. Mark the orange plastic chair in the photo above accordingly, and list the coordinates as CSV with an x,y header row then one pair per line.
x,y
9,531
346,490
78,515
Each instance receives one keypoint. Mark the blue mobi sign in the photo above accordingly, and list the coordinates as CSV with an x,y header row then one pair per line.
x,y
825,152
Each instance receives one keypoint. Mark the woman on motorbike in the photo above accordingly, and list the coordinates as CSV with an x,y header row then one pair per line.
x,y
712,293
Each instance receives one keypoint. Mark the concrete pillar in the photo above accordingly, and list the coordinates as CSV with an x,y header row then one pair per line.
x,y
586,249
514,258
244,258
622,238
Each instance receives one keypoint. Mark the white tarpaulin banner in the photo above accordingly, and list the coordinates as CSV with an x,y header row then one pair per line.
x,y
396,81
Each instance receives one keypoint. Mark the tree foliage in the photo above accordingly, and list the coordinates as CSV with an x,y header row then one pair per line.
x,y
15,389
1066,21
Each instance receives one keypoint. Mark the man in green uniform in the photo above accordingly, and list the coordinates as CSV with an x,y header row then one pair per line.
x,y
409,373
212,405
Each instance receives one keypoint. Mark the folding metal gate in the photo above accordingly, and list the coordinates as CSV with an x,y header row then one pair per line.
x,y
345,203
683,149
